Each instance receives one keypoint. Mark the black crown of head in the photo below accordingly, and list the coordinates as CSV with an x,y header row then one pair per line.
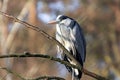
x,y
63,17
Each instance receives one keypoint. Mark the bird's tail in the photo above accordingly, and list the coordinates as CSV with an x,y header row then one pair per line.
x,y
76,74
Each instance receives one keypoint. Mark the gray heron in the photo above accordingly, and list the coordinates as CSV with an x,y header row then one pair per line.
x,y
70,35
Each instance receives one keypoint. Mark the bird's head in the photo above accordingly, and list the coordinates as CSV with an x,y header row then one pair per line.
x,y
61,19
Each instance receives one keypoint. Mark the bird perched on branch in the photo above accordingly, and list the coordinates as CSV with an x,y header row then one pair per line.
x,y
70,35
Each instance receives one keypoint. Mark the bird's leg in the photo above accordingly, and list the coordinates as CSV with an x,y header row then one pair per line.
x,y
72,74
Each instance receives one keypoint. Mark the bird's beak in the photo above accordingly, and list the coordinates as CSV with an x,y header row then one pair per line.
x,y
53,22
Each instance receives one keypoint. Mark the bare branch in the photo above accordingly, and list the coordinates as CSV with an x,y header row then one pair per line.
x,y
38,78
10,71
98,77
47,78
39,55
3,78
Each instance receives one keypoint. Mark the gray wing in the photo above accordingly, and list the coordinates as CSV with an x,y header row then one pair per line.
x,y
79,41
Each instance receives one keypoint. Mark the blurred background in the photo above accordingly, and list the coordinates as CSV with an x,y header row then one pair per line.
x,y
99,19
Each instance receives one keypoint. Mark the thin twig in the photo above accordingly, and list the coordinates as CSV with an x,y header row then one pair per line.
x,y
38,78
56,42
14,73
47,78
3,78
